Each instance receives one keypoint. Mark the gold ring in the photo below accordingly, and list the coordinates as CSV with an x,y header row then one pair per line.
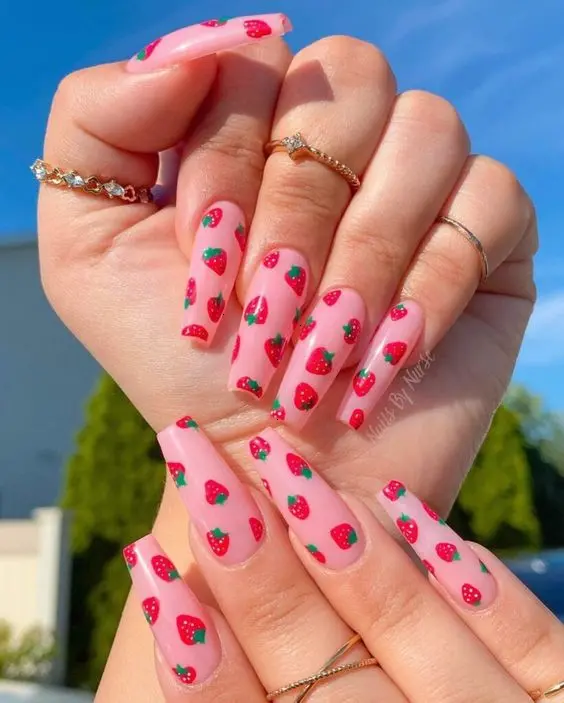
x,y
549,693
327,671
296,146
45,173
469,236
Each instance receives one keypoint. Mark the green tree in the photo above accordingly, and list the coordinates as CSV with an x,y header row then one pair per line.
x,y
27,657
113,485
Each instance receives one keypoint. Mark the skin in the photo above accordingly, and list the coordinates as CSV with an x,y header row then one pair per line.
x,y
116,274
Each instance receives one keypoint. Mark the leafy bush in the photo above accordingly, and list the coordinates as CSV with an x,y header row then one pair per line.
x,y
26,657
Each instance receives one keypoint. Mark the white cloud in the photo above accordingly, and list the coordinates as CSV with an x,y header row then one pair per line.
x,y
544,340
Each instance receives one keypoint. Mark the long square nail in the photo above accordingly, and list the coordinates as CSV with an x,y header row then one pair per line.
x,y
180,624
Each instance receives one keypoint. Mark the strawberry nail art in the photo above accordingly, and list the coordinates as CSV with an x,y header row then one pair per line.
x,y
206,38
314,511
277,291
443,553
216,257
180,624
221,508
327,338
388,352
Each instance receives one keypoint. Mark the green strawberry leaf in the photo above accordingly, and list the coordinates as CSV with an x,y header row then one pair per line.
x,y
200,636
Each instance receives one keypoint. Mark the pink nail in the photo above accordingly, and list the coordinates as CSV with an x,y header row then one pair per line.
x,y
221,508
314,511
207,38
216,257
327,338
182,628
387,354
445,555
272,310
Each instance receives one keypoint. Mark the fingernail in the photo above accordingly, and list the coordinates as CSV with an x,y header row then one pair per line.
x,y
317,515
206,38
182,628
326,339
387,354
220,506
445,555
216,257
272,310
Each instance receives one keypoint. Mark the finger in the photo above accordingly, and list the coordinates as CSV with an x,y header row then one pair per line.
x,y
220,178
196,659
285,626
443,277
338,93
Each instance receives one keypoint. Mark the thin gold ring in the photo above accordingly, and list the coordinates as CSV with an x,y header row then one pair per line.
x,y
53,175
471,237
296,147
549,693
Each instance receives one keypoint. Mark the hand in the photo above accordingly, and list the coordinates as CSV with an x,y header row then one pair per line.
x,y
471,632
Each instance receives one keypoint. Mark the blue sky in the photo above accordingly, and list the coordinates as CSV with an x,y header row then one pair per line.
x,y
500,61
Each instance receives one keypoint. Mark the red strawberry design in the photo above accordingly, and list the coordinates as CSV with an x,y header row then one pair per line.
x,y
241,236
246,383
430,568
144,54
299,507
186,423
316,554
394,491
344,535
190,297
256,311
195,331
298,466
192,630
278,412
363,382
274,348
215,259
398,311
216,23
471,595
216,493
130,555
216,306
305,397
212,217
218,541
185,674
164,568
236,347
432,514
408,527
447,552
270,260
394,351
151,609
320,362
178,473
352,330
308,327
331,297
296,279
356,420
256,29
257,528
260,448
267,487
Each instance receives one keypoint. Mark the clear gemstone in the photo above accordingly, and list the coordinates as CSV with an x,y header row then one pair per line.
x,y
73,179
294,143
40,171
114,189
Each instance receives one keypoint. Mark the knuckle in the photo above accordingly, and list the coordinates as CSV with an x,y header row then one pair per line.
x,y
69,89
398,611
436,113
287,602
385,254
503,182
534,644
237,148
309,201
441,265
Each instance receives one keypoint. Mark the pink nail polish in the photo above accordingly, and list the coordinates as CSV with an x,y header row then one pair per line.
x,y
445,555
181,626
216,257
314,511
326,339
207,38
220,506
387,354
272,310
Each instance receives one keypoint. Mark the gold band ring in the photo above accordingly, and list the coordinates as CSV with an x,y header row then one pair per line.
x,y
45,173
469,236
549,693
296,147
